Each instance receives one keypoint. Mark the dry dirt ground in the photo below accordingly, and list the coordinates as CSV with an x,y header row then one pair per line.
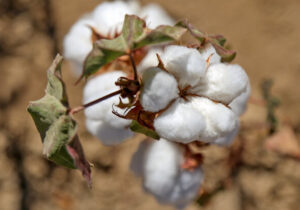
x,y
264,32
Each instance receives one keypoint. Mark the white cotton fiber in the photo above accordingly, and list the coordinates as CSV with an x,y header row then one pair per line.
x,y
220,120
159,89
239,104
209,52
107,134
159,164
186,64
150,60
228,139
155,15
225,82
100,86
180,123
109,16
186,188
78,43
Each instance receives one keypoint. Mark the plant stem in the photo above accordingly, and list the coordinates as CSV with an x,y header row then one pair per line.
x,y
82,107
133,66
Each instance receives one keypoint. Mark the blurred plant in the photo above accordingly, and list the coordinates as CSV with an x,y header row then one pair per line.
x,y
271,104
144,80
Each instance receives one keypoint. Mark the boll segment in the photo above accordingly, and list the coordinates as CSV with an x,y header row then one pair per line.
x,y
155,84
101,122
206,91
159,165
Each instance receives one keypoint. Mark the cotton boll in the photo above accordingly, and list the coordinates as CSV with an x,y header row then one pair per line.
x,y
78,43
225,82
180,123
211,53
109,16
161,167
150,60
220,120
159,89
155,16
100,86
239,104
185,64
159,164
107,134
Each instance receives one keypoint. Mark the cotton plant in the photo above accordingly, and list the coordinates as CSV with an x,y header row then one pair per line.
x,y
143,78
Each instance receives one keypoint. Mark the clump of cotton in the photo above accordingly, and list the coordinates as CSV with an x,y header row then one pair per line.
x,y
225,82
211,95
155,15
159,88
108,123
210,54
185,64
180,123
239,104
150,60
78,42
109,16
159,165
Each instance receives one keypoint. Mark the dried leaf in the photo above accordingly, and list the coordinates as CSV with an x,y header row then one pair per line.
x,y
56,127
218,41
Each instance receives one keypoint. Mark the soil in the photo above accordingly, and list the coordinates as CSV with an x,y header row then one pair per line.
x,y
246,176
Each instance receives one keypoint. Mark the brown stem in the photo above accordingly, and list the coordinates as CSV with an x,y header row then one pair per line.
x,y
82,107
133,66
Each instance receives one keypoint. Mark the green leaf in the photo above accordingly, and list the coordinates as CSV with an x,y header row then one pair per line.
x,y
218,41
45,112
56,127
134,35
138,128
60,133
162,34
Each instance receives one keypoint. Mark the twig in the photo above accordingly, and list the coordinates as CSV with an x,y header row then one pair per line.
x,y
133,66
82,107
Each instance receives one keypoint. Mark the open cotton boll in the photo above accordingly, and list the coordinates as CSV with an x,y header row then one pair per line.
x,y
107,134
78,42
239,104
109,16
220,120
159,89
211,53
225,82
180,123
150,60
97,87
186,64
159,164
155,15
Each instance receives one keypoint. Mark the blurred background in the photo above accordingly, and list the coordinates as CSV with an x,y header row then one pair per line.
x,y
260,171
